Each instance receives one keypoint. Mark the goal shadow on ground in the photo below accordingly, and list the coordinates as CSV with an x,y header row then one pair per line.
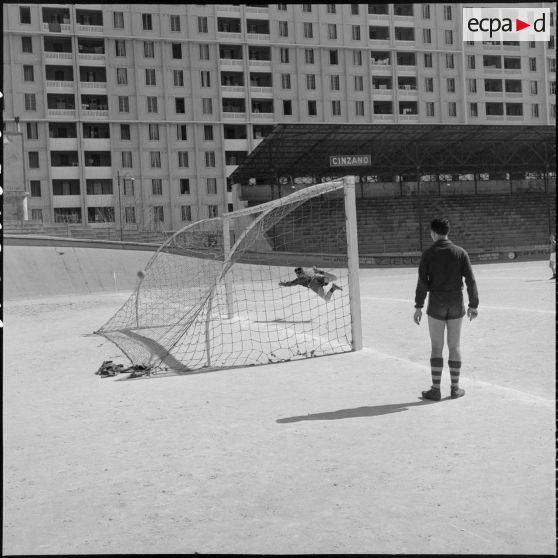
x,y
359,412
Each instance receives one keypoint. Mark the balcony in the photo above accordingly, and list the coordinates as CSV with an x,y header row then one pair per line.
x,y
63,144
269,116
263,90
94,86
257,11
227,9
408,118
228,115
60,86
96,144
66,201
98,172
54,27
62,112
407,91
58,56
61,173
94,29
233,89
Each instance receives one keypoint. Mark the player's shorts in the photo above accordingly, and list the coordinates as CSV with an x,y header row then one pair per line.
x,y
446,305
553,257
317,284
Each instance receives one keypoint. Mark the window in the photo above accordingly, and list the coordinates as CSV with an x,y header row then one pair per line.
x,y
211,185
37,215
183,159
149,49
207,106
428,60
30,101
154,132
118,20
430,109
333,57
451,85
332,31
471,62
307,8
359,83
178,78
354,9
514,109
310,81
312,108
127,159
334,83
24,14
32,131
426,11
552,65
336,108
426,36
179,105
449,61
202,24
185,186
283,29
213,211
210,159
535,111
473,110
28,74
26,44
158,214
309,55
308,32
331,9
355,32
285,81
150,78
35,188
533,87
205,78
285,55
155,159
452,109
186,212
151,104
175,23
447,13
429,84
359,108
552,88
282,7
204,52
357,58
287,107
124,131
208,132
494,109
147,22
176,51
533,64
130,214
472,85
121,76
67,215
33,159
120,48
553,109
181,132
128,186
157,186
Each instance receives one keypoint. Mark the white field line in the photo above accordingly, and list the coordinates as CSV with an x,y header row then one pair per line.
x,y
515,393
410,302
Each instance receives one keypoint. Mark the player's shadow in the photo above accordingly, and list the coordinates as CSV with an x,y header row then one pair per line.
x,y
374,411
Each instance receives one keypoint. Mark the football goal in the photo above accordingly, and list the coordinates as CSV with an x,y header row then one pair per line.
x,y
210,296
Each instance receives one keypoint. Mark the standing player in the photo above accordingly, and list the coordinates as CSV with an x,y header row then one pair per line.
x,y
315,281
441,270
552,261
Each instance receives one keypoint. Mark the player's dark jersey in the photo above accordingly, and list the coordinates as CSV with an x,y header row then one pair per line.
x,y
305,280
442,269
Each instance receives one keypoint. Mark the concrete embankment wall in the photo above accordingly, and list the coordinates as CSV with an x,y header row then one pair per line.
x,y
63,268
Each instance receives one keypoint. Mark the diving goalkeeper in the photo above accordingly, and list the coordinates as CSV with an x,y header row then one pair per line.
x,y
315,281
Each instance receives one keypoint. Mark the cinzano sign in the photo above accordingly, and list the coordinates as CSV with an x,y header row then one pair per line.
x,y
350,160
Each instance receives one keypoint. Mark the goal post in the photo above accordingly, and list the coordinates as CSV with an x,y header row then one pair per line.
x,y
222,293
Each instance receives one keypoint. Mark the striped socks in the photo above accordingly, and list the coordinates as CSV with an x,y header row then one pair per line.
x,y
436,366
455,369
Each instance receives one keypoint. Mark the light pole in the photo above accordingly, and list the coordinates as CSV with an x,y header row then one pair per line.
x,y
126,176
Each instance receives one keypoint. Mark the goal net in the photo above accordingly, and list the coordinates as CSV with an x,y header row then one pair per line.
x,y
210,296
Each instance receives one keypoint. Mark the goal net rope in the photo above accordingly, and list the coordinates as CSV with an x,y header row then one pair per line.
x,y
210,296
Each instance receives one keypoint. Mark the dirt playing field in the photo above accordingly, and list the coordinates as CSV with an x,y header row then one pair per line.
x,y
329,455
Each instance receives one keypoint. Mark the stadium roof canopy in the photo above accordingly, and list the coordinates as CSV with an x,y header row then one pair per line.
x,y
296,150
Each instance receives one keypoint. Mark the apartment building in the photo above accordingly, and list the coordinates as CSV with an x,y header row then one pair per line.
x,y
133,116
